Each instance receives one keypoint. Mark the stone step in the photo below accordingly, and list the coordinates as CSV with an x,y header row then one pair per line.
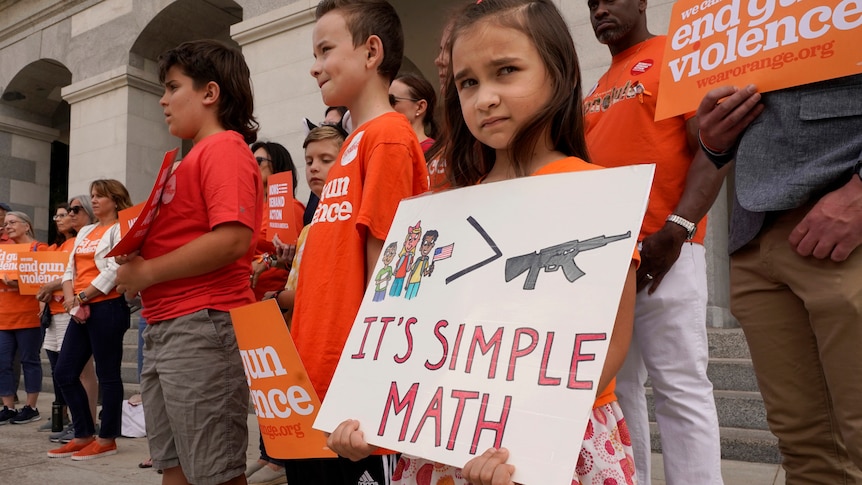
x,y
128,372
736,409
727,343
751,445
732,374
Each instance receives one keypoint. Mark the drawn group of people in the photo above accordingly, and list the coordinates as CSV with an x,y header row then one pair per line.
x,y
513,105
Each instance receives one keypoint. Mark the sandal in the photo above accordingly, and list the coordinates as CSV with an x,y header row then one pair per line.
x,y
148,463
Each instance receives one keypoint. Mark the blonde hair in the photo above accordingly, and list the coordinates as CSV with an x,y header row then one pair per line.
x,y
324,132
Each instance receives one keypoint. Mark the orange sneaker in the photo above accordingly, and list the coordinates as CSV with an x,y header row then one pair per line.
x,y
95,450
68,449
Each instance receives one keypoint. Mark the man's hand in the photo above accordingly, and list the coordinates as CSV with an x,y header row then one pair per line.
x,y
659,251
133,275
348,441
833,227
724,113
490,468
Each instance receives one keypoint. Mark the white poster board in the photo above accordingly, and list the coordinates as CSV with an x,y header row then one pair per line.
x,y
467,360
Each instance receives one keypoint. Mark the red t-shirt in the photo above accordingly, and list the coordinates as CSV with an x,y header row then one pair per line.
x,y
379,164
19,311
573,164
621,131
216,183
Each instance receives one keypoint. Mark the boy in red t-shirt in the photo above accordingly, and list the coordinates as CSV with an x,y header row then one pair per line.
x,y
358,46
194,267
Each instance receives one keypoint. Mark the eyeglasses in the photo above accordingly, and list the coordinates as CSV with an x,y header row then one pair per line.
x,y
75,209
260,160
393,100
9,223
57,217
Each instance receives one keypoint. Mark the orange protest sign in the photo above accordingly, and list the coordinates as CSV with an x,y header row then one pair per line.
x,y
35,269
134,237
128,217
280,208
773,44
284,400
9,259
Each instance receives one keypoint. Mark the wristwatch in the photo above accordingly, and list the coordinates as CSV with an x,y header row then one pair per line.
x,y
689,226
82,297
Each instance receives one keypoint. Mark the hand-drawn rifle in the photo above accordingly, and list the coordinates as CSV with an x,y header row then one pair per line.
x,y
555,257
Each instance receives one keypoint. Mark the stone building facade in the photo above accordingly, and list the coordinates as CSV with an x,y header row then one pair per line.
x,y
80,90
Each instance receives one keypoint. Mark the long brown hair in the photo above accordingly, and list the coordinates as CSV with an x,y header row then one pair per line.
x,y
468,159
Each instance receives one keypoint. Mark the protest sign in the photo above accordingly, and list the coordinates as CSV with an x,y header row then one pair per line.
x,y
35,269
284,401
773,44
128,217
280,208
9,259
488,318
135,235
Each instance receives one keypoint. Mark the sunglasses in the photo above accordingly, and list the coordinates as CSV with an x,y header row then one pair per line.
x,y
260,160
76,209
393,100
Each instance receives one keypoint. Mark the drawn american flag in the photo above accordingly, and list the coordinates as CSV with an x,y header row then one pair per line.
x,y
444,252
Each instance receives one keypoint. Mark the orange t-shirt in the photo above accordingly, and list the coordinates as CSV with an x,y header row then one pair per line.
x,y
56,303
216,183
19,311
379,164
621,131
573,164
273,279
85,264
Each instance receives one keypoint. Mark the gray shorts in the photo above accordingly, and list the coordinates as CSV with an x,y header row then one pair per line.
x,y
195,397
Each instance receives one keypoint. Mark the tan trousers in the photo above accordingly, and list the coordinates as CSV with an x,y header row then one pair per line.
x,y
802,318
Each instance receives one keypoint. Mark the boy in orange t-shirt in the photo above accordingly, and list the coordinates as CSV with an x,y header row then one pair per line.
x,y
193,268
358,47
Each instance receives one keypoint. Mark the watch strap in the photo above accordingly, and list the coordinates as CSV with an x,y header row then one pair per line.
x,y
690,227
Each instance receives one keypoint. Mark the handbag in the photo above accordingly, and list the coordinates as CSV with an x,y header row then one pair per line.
x,y
45,317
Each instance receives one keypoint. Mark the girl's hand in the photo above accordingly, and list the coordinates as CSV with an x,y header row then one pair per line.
x,y
284,254
68,305
348,441
490,468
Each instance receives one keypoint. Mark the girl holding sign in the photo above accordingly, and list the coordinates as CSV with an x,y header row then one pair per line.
x,y
513,109
19,326
101,317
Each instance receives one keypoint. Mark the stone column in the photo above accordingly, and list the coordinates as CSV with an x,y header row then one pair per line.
x,y
117,130
277,48
718,264
25,169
